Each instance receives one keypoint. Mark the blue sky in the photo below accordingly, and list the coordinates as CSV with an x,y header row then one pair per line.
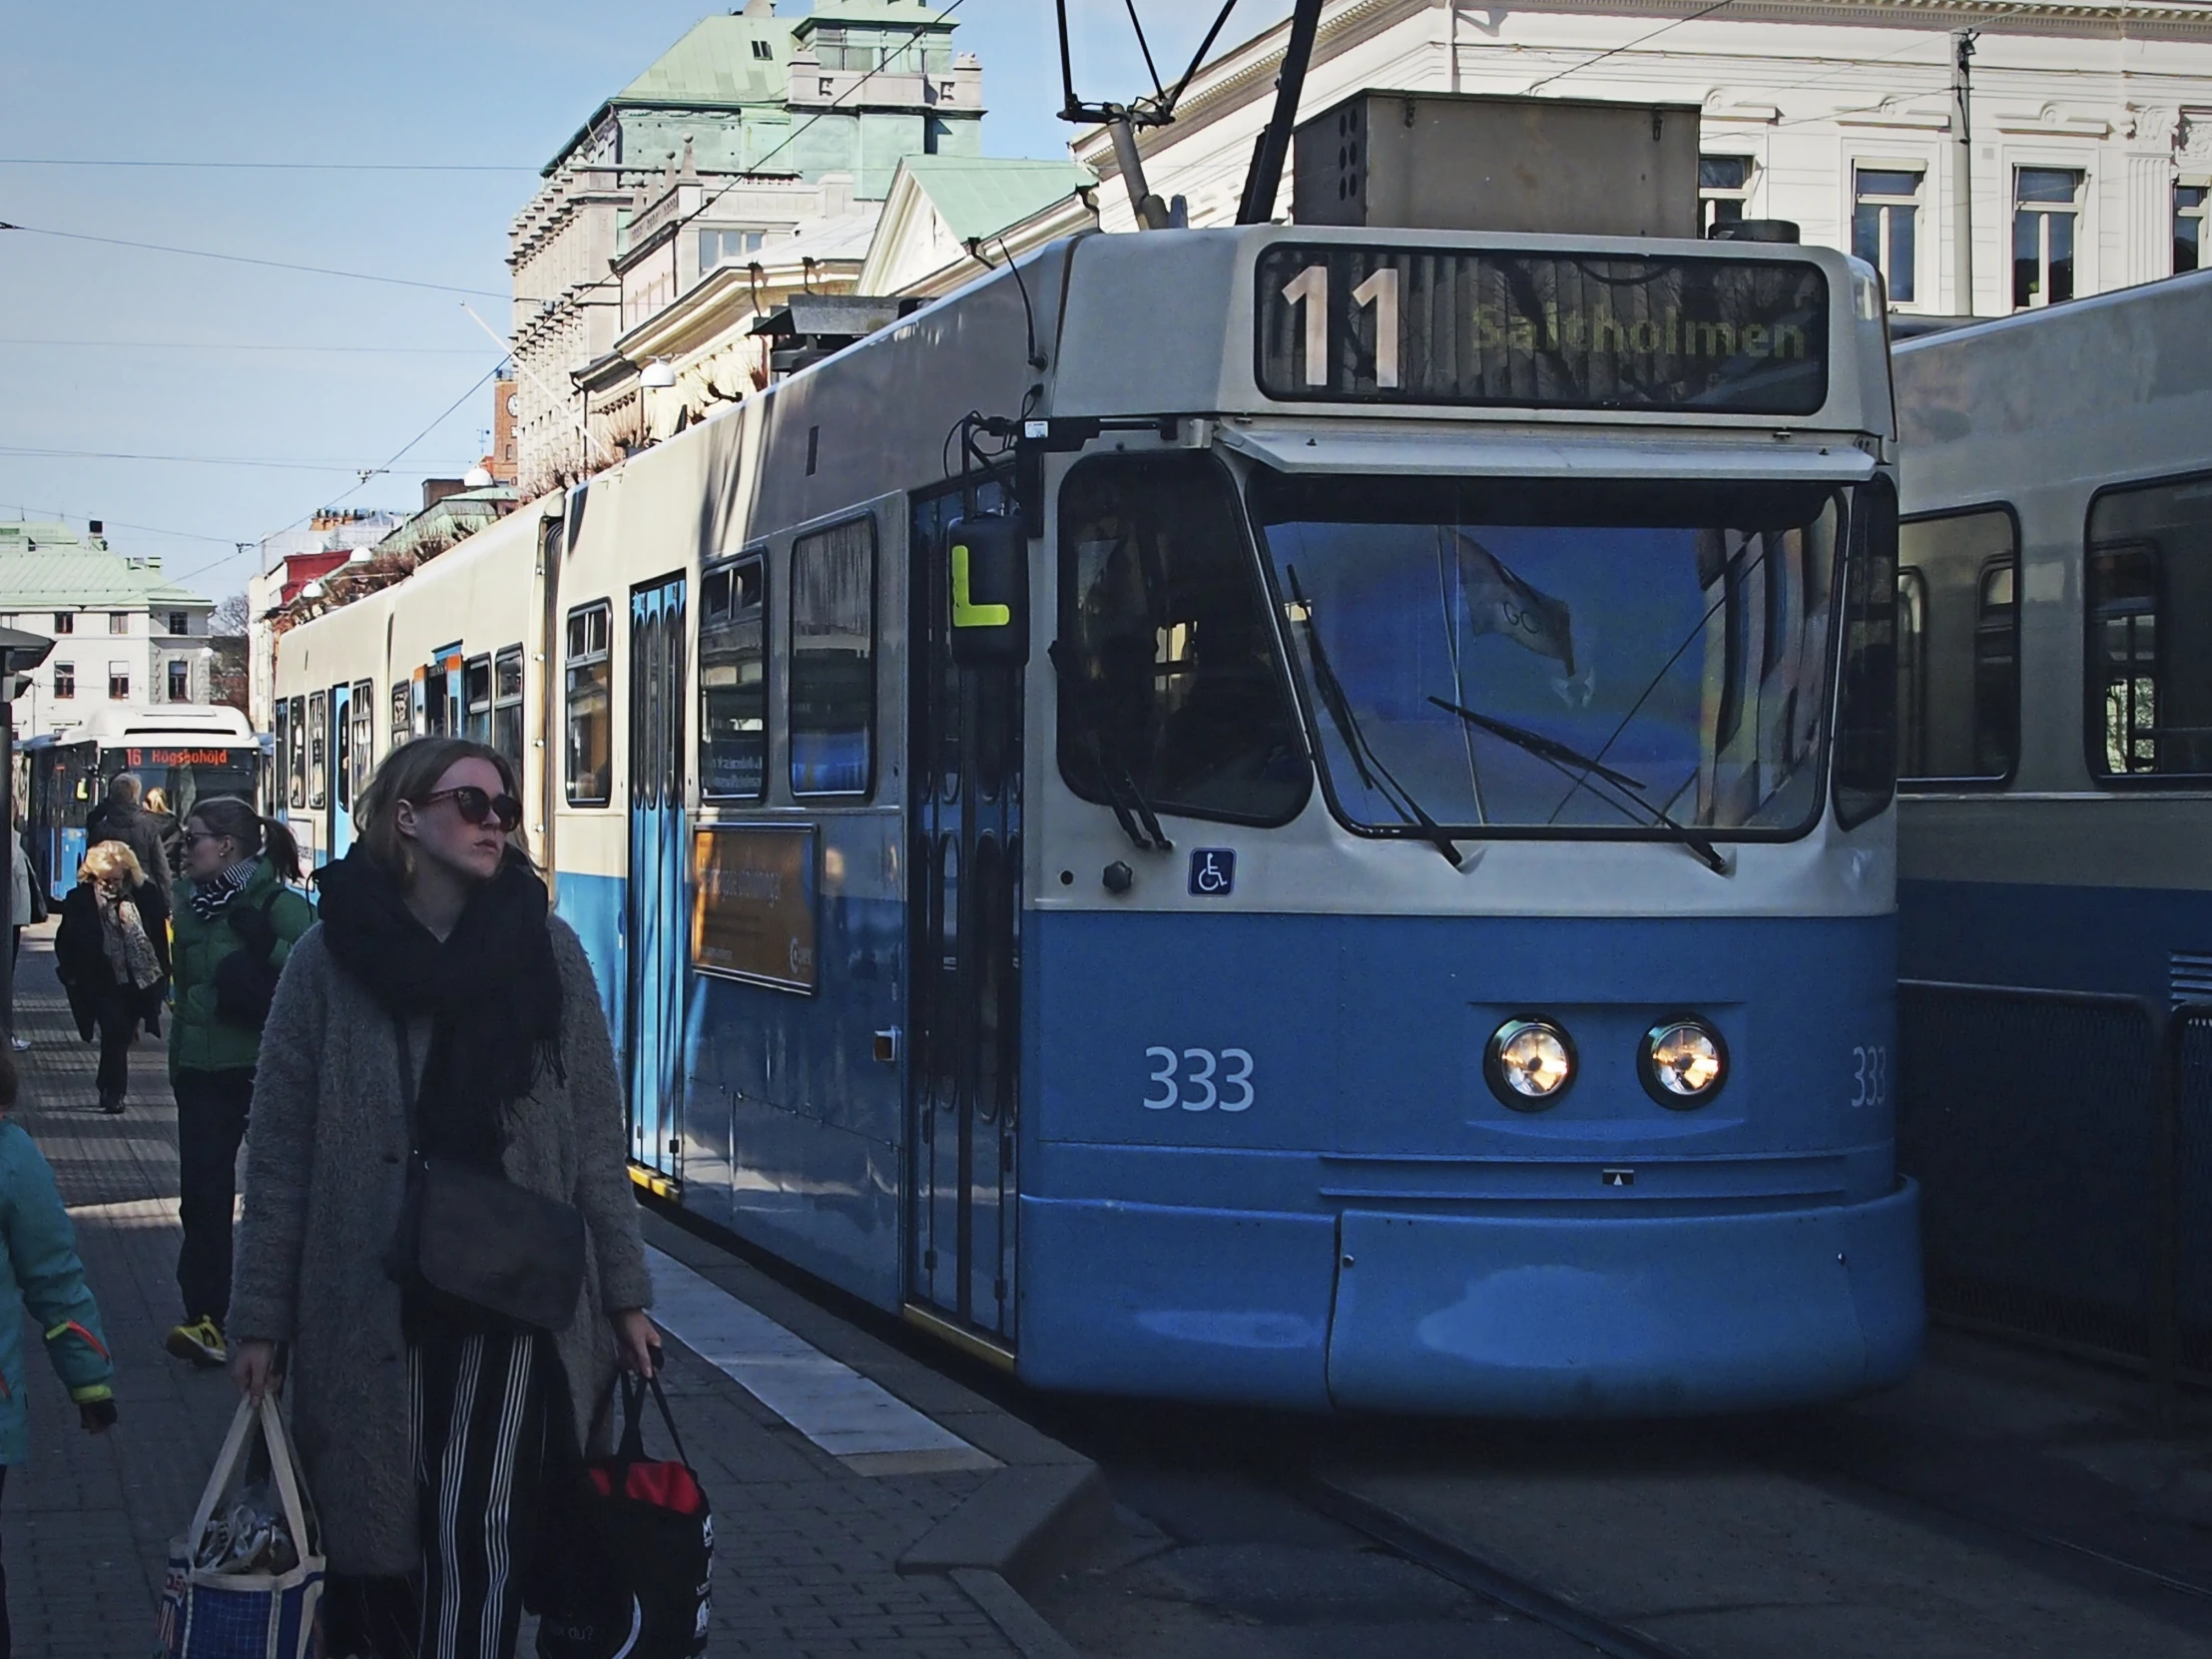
x,y
163,377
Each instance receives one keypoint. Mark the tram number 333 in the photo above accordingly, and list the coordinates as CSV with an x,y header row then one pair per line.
x,y
1869,1077
1199,1080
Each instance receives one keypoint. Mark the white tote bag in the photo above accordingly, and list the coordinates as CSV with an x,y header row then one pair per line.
x,y
224,1613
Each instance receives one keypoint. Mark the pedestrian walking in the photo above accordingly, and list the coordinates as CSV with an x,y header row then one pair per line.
x,y
236,924
112,953
121,818
40,1273
26,905
436,1006
167,831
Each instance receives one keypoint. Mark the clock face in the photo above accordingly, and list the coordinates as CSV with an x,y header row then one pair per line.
x,y
514,404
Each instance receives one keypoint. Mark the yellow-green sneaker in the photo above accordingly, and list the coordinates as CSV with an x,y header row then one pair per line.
x,y
200,1342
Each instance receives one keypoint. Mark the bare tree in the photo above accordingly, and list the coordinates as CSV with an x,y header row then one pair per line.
x,y
227,678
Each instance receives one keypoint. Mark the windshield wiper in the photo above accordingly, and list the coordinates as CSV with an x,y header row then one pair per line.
x,y
1561,757
1132,810
1364,760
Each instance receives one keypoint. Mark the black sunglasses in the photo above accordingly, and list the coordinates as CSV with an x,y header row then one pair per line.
x,y
475,806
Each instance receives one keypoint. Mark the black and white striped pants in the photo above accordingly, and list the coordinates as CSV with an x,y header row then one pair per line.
x,y
478,1416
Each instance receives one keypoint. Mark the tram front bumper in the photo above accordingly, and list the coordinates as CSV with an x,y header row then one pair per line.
x,y
1533,1315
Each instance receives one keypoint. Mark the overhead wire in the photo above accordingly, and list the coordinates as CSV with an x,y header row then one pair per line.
x,y
242,345
245,258
1627,46
24,511
26,452
276,167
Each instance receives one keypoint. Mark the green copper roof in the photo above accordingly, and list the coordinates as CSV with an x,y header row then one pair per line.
x,y
979,195
716,63
52,567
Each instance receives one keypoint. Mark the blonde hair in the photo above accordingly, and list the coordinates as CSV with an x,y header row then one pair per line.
x,y
108,861
156,801
410,773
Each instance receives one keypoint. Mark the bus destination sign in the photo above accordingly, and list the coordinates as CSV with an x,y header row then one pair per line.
x,y
1509,329
178,756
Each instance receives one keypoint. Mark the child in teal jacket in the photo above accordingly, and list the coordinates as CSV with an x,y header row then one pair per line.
x,y
40,1271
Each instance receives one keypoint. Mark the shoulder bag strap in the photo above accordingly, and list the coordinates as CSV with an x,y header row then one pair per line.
x,y
407,1080
667,1420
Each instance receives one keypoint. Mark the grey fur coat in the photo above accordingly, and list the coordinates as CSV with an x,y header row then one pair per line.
x,y
324,1169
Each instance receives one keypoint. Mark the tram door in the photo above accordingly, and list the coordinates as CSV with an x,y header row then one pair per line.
x,y
655,923
340,747
964,902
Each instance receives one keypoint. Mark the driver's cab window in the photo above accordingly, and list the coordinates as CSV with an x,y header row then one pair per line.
x,y
1170,688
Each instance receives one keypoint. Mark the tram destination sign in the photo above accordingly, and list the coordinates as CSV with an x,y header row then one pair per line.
x,y
1359,325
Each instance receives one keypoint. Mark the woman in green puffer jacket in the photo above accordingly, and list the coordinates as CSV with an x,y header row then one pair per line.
x,y
236,920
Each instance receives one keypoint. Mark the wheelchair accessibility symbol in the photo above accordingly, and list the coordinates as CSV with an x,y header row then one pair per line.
x,y
1212,872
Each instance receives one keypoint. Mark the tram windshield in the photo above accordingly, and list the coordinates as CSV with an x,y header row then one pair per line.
x,y
1561,655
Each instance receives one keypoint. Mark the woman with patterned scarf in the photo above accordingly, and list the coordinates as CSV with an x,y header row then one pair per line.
x,y
238,918
112,953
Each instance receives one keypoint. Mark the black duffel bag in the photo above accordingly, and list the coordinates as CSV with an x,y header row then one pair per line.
x,y
626,1561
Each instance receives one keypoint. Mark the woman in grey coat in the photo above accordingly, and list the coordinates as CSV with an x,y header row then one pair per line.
x,y
424,1421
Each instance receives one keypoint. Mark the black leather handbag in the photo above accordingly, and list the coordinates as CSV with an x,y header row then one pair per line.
x,y
480,1239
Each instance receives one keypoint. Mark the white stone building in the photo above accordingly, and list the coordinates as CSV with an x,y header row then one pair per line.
x,y
2090,121
122,632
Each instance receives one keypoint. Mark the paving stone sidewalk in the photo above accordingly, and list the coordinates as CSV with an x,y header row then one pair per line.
x,y
804,1547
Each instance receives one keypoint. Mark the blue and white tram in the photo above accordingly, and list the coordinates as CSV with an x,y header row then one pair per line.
x,y
189,751
2056,646
1416,931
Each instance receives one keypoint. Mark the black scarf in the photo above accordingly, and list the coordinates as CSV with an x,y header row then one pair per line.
x,y
492,991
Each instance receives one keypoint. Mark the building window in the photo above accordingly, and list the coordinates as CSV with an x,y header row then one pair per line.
x,y
590,706
727,248
1958,677
764,51
119,622
831,718
1885,202
2044,225
2150,613
65,681
733,681
1722,190
179,681
2189,215
119,681
65,622
506,704
179,622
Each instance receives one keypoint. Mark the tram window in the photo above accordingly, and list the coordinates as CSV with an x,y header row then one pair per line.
x,y
319,737
506,704
832,679
590,706
1959,678
2148,604
1169,682
279,793
400,724
476,699
364,709
295,762
733,681
1866,716
1459,637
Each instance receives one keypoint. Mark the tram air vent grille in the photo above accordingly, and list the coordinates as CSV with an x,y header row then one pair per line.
x,y
2189,976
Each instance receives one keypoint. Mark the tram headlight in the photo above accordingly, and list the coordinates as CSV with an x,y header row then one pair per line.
x,y
1684,1062
1530,1063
